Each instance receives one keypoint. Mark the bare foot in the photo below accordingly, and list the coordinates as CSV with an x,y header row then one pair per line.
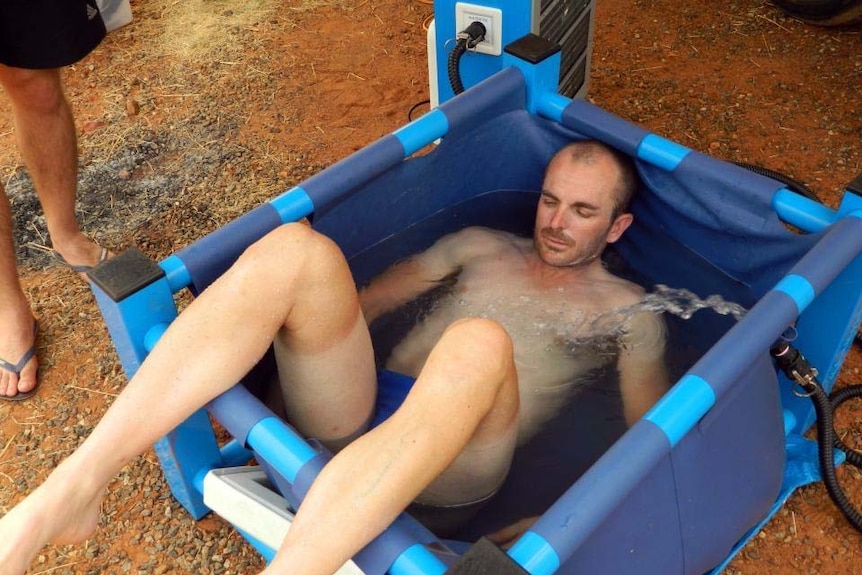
x,y
79,250
57,512
17,335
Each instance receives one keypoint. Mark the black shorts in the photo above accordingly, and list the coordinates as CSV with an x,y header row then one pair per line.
x,y
40,34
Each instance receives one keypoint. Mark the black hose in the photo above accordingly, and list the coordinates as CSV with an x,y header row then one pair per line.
x,y
800,372
792,185
836,398
454,64
466,39
826,441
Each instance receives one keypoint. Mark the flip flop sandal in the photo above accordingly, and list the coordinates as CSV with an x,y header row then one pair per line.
x,y
81,269
16,368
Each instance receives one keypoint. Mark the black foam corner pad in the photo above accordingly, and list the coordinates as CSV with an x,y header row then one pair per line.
x,y
126,273
532,48
485,558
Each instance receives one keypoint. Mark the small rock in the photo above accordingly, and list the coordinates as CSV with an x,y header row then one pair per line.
x,y
92,126
132,107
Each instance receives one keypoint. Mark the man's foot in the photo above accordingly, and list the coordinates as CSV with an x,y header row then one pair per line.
x,y
80,255
19,366
57,512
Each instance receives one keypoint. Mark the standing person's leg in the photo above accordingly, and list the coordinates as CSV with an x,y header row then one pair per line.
x,y
451,441
208,348
17,326
45,130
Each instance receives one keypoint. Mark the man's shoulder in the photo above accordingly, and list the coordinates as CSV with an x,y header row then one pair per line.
x,y
618,291
478,240
630,290
642,325
482,233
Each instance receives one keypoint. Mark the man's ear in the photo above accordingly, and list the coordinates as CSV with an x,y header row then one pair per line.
x,y
620,225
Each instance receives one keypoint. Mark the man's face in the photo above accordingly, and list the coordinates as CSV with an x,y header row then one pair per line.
x,y
573,220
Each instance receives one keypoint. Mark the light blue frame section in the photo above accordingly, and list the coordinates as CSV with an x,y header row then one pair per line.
x,y
682,407
422,131
280,445
798,288
535,554
176,273
661,152
293,205
799,211
416,560
551,105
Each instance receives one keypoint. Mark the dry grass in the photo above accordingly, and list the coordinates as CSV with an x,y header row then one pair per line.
x,y
194,30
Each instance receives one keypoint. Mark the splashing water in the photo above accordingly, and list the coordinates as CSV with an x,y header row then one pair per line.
x,y
684,303
663,299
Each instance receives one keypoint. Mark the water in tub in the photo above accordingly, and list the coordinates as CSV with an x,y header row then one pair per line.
x,y
566,360
558,350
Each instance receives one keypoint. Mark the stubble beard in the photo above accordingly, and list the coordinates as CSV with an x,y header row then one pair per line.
x,y
580,258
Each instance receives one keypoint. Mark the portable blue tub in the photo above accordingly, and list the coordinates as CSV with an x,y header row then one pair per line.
x,y
678,492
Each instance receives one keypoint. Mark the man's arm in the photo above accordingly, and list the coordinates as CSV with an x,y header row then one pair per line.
x,y
422,272
643,374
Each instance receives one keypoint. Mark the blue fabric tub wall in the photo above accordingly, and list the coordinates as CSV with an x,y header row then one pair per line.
x,y
693,505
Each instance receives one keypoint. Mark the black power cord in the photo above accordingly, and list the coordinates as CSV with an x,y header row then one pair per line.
x,y
795,366
465,40
415,107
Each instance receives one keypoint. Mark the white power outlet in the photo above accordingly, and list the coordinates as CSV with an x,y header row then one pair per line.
x,y
491,18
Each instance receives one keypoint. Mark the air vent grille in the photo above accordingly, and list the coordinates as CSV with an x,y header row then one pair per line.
x,y
568,23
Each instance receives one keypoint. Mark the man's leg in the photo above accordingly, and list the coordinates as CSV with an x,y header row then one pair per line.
x,y
452,439
16,320
46,137
212,344
328,391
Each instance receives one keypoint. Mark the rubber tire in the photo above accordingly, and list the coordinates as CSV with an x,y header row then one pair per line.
x,y
824,12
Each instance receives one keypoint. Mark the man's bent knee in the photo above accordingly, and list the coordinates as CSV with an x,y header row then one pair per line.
x,y
485,337
481,347
291,248
290,236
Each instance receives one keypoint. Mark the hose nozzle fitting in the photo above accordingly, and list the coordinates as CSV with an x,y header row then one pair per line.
x,y
795,366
